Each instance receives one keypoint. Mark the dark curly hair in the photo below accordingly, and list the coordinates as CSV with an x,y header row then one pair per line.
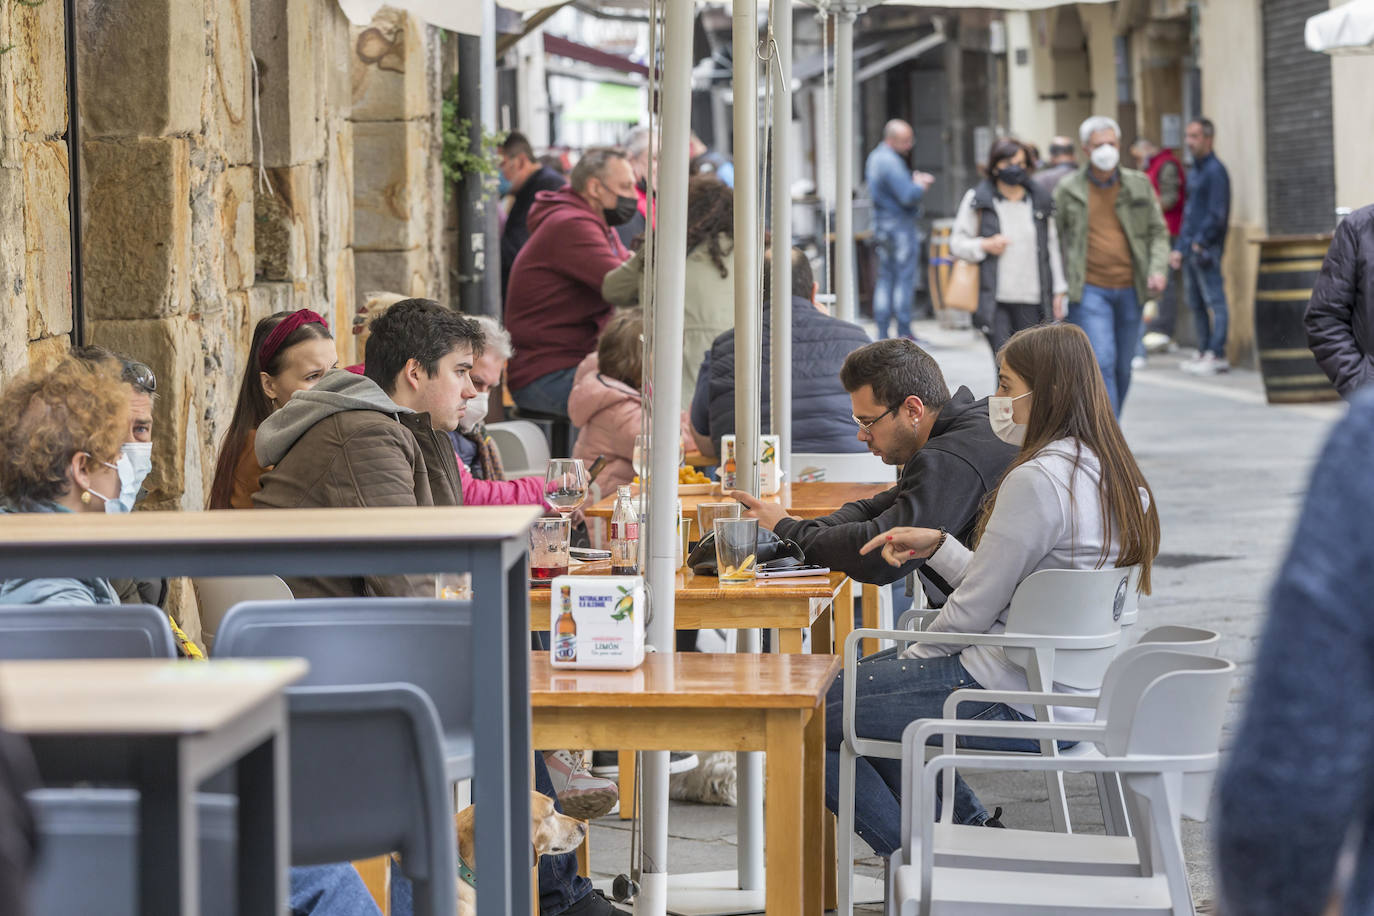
x,y
710,214
47,417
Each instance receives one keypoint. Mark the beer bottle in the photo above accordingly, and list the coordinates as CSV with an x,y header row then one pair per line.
x,y
565,630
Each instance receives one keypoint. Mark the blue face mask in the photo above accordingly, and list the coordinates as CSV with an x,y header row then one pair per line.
x,y
135,461
502,186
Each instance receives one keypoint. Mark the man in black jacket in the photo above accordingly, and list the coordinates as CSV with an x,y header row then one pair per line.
x,y
949,456
527,176
1340,324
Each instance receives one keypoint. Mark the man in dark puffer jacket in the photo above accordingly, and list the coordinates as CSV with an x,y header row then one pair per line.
x,y
821,420
1340,320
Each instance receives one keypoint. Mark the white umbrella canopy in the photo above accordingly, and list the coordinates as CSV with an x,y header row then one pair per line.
x,y
1349,27
523,6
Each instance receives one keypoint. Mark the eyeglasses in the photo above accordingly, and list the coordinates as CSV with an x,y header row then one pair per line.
x,y
139,375
867,427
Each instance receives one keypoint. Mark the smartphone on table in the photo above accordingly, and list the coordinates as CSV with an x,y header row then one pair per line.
x,y
790,572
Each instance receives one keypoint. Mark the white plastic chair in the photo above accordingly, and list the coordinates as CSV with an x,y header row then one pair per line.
x,y
217,594
845,467
1062,627
522,446
1158,724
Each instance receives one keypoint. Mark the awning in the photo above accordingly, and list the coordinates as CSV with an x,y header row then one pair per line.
x,y
463,16
565,47
608,102
1345,28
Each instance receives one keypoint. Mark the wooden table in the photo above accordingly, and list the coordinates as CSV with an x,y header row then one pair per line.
x,y
702,603
488,541
804,500
164,727
769,703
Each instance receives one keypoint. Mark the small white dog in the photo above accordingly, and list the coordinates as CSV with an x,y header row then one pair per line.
x,y
551,833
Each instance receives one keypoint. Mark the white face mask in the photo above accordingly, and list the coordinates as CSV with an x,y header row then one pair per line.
x,y
107,500
1106,157
135,461
476,411
1003,426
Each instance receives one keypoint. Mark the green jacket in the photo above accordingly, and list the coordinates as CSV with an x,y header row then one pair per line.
x,y
1136,207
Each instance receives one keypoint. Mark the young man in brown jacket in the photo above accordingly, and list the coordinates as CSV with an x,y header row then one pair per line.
x,y
378,439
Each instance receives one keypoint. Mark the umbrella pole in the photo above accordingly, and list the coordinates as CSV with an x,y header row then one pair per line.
x,y
844,287
781,341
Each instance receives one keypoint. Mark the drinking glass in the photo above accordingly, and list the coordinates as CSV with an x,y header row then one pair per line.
x,y
565,484
453,586
707,513
736,545
640,459
549,548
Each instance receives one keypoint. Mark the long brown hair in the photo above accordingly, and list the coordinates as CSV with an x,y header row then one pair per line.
x,y
710,214
253,406
1070,402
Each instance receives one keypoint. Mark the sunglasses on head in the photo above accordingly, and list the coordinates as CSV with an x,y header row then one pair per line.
x,y
140,376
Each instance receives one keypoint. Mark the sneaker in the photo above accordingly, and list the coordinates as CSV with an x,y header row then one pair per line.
x,y
1206,364
595,904
1138,363
995,819
607,763
581,794
1192,362
1157,342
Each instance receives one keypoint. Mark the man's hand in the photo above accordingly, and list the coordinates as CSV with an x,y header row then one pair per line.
x,y
1061,306
1157,283
768,514
1175,260
924,179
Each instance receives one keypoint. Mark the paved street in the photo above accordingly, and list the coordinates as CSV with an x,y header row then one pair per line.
x,y
1228,472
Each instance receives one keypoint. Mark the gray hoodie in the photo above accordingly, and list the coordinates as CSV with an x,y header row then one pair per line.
x,y
338,391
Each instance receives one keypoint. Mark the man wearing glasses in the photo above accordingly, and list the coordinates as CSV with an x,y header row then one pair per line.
x,y
945,446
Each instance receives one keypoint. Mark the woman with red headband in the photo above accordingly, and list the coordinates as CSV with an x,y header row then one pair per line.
x,y
291,351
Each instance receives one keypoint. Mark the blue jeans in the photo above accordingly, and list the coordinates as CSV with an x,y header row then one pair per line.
x,y
548,393
560,886
1111,318
893,692
1207,299
899,255
329,890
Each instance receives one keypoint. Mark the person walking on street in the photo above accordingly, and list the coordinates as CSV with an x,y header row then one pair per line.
x,y
1340,314
1062,164
896,193
1116,248
1170,184
1006,226
525,177
1199,246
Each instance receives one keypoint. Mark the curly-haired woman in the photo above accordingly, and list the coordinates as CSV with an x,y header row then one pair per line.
x,y
709,292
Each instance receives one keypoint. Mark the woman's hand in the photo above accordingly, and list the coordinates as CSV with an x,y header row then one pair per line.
x,y
902,545
1061,306
994,244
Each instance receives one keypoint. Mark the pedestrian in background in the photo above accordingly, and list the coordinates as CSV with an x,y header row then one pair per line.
x,y
1062,164
1340,324
1116,249
896,193
1170,184
523,176
1198,249
1005,225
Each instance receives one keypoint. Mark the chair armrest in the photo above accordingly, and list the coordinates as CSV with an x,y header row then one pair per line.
x,y
916,734
972,695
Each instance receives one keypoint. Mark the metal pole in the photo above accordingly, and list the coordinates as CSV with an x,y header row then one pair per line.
x,y
470,292
845,289
670,272
748,349
489,225
74,176
781,343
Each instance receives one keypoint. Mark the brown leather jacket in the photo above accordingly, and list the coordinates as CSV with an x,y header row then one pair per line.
x,y
344,444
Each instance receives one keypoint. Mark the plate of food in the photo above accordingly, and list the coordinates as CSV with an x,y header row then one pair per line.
x,y
691,482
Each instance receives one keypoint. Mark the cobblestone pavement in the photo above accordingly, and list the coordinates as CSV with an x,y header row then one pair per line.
x,y
1229,473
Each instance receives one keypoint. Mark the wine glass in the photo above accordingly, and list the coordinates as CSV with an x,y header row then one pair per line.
x,y
565,484
640,458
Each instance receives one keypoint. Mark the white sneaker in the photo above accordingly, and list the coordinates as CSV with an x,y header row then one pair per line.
x,y
1192,362
581,794
1139,362
1211,364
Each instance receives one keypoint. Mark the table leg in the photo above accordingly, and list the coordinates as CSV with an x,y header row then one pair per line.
x,y
168,854
785,812
821,642
842,612
628,784
264,821
817,865
870,616
790,640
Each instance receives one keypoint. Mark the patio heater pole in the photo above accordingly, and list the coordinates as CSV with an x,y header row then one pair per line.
x,y
670,273
844,164
781,343
748,348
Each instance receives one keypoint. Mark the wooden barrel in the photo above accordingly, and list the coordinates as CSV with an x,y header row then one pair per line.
x,y
1288,268
940,261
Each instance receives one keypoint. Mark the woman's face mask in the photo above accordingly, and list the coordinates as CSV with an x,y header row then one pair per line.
x,y
135,461
1000,410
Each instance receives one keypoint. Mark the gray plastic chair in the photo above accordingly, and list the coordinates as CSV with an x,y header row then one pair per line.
x,y
88,857
367,779
353,641
43,631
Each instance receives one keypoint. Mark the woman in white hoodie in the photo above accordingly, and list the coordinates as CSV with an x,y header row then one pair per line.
x,y
1073,498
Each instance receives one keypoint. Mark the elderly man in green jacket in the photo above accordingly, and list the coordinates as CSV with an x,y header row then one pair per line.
x,y
1116,250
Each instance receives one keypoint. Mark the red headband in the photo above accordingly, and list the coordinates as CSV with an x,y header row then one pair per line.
x,y
283,330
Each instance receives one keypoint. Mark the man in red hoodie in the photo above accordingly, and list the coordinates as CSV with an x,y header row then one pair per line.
x,y
1167,176
554,309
